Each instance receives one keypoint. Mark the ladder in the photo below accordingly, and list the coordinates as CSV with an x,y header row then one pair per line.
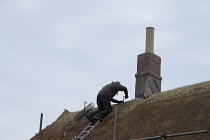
x,y
86,131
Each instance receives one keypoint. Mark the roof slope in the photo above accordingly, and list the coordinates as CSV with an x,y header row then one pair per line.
x,y
176,111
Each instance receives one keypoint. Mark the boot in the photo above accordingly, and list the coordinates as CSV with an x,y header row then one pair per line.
x,y
90,118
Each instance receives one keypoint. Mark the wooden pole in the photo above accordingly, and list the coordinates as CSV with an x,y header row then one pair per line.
x,y
40,127
123,101
115,123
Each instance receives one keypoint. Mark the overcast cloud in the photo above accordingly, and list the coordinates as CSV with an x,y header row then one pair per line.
x,y
55,55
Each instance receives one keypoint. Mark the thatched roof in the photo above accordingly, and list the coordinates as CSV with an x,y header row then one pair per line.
x,y
180,110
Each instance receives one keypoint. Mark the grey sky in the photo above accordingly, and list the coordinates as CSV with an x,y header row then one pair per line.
x,y
55,55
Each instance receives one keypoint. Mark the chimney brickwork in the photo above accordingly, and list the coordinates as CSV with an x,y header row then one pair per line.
x,y
148,63
148,79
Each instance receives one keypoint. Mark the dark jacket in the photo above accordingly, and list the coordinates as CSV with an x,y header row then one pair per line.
x,y
112,89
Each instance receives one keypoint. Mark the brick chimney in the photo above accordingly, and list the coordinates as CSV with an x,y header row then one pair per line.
x,y
148,79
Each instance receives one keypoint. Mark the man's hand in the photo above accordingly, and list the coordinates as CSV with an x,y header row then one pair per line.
x,y
116,101
120,102
126,96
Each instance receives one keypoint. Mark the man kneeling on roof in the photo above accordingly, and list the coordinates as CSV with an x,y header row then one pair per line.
x,y
104,97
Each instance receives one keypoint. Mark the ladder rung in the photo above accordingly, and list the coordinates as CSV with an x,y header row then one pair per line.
x,y
86,131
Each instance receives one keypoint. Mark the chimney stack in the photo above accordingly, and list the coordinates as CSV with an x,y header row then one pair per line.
x,y
148,79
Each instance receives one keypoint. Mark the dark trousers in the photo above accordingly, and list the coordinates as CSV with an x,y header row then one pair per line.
x,y
104,106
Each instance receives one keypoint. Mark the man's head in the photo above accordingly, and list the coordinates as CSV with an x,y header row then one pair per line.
x,y
118,82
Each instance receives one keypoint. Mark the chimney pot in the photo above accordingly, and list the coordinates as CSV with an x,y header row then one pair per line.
x,y
149,40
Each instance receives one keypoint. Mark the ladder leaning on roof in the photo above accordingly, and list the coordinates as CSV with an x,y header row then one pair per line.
x,y
86,131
